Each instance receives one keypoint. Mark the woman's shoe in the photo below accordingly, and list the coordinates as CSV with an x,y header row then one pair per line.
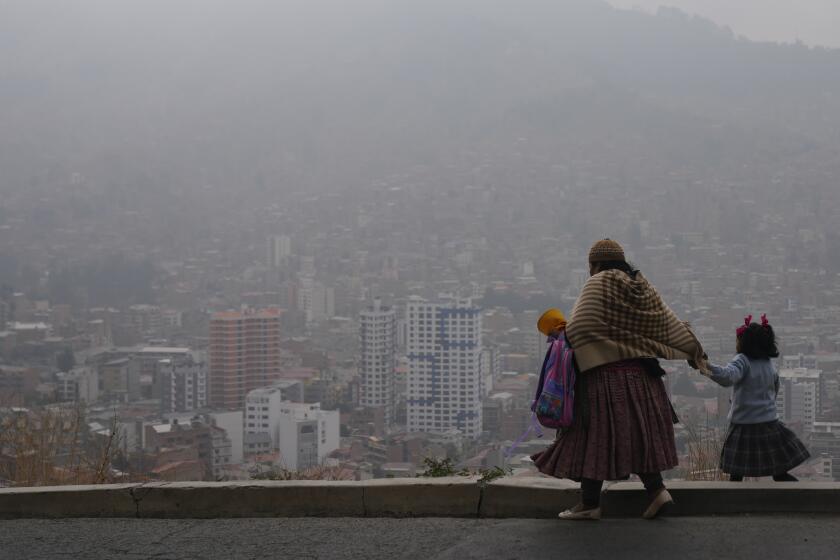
x,y
662,499
579,513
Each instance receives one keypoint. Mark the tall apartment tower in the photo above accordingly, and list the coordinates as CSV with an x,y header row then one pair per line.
x,y
444,366
378,341
244,354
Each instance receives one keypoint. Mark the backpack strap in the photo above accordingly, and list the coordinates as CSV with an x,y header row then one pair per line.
x,y
534,426
543,371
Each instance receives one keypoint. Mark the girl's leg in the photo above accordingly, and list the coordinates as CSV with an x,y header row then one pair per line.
x,y
786,477
736,478
591,492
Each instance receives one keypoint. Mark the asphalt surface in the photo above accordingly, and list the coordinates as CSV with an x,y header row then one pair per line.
x,y
744,538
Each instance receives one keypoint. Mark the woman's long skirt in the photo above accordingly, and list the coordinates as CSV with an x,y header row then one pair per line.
x,y
624,426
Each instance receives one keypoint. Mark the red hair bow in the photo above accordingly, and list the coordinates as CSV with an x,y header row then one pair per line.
x,y
743,328
764,322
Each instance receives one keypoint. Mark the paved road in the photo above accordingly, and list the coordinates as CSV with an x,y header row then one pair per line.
x,y
744,538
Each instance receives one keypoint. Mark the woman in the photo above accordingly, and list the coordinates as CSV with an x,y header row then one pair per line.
x,y
623,419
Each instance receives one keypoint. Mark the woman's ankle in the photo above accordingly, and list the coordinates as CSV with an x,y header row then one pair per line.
x,y
653,484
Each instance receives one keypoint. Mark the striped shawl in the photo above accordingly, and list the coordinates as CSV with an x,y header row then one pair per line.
x,y
618,318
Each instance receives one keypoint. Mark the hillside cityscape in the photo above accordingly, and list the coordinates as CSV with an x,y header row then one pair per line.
x,y
330,262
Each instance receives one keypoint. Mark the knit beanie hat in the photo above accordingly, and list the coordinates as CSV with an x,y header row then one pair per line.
x,y
606,250
551,321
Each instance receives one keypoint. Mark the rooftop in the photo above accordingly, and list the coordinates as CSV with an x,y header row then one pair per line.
x,y
164,350
248,314
800,373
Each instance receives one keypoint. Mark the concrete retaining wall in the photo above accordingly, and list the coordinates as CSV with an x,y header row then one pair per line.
x,y
423,497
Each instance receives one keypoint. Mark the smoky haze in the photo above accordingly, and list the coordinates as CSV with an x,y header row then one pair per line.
x,y
199,115
194,114
814,22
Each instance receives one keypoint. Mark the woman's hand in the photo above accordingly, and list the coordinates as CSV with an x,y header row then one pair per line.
x,y
693,365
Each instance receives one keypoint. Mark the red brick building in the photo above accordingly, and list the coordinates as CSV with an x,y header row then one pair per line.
x,y
244,354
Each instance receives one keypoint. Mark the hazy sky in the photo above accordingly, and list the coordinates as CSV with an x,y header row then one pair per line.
x,y
814,22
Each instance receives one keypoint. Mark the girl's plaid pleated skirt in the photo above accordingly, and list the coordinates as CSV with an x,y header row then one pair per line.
x,y
765,449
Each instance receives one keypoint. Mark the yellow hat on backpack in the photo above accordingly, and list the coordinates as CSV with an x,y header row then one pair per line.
x,y
550,321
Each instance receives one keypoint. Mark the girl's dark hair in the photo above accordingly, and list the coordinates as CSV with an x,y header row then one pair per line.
x,y
759,342
623,266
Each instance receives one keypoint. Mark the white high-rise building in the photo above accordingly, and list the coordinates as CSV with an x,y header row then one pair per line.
x,y
378,339
798,400
445,380
279,249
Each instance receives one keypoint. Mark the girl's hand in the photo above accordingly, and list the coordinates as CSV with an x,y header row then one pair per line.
x,y
693,365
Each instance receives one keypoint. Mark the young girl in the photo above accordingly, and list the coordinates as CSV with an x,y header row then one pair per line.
x,y
757,443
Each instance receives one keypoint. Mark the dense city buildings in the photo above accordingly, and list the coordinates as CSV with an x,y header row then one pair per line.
x,y
244,353
288,294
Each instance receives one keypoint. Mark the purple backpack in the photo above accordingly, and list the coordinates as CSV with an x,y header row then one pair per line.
x,y
555,399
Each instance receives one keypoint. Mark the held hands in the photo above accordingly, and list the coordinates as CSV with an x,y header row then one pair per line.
x,y
693,364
